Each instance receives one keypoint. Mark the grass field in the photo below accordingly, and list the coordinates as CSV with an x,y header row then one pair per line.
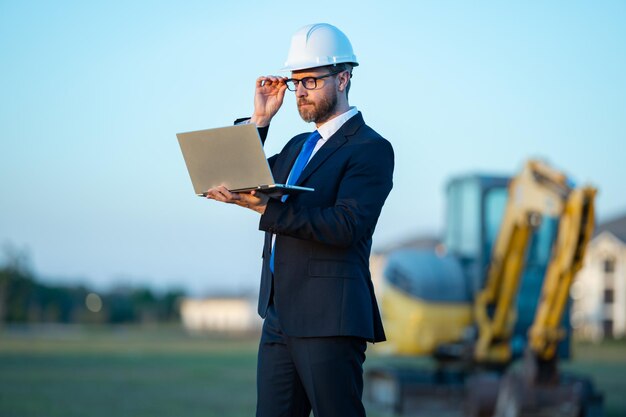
x,y
135,372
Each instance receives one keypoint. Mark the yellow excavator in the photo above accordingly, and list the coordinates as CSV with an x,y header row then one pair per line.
x,y
495,292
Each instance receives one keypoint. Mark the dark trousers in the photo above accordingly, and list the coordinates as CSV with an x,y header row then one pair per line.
x,y
297,374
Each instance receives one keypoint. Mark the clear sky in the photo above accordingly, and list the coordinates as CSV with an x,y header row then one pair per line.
x,y
92,181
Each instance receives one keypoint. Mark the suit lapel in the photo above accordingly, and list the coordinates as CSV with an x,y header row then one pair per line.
x,y
335,142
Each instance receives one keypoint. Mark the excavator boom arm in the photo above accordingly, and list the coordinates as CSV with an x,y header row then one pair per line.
x,y
575,230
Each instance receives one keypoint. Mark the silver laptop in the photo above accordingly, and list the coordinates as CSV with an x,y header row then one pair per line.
x,y
231,156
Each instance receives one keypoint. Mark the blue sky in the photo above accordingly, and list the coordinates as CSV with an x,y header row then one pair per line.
x,y
92,181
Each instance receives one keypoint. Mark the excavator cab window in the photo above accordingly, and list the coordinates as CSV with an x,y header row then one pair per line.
x,y
463,219
495,203
475,207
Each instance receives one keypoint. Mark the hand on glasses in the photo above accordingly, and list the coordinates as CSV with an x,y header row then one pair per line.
x,y
268,98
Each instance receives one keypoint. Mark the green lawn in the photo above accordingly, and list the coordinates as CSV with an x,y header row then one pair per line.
x,y
606,364
125,372
135,372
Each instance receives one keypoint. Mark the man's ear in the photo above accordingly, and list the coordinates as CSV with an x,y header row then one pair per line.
x,y
344,79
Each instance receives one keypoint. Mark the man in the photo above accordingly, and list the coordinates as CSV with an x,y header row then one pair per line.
x,y
316,292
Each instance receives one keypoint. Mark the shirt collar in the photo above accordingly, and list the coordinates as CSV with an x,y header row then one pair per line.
x,y
332,126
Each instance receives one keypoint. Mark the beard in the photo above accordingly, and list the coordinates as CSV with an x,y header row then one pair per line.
x,y
318,112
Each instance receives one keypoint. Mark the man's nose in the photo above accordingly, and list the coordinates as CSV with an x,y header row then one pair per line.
x,y
301,91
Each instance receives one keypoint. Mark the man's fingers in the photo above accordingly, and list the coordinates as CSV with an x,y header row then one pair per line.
x,y
270,81
222,194
210,194
253,200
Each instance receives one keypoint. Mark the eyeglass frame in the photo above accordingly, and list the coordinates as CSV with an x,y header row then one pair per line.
x,y
295,80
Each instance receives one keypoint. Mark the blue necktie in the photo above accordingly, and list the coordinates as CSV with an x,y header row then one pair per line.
x,y
296,171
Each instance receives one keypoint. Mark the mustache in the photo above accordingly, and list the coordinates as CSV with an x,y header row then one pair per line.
x,y
303,101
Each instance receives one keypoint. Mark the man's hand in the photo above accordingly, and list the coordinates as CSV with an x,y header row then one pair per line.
x,y
254,201
268,98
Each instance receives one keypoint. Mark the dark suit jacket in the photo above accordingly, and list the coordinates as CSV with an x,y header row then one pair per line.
x,y
321,283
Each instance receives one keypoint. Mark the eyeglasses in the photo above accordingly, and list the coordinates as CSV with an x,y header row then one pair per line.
x,y
309,83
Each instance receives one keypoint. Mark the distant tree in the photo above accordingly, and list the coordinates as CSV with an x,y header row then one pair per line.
x,y
146,305
15,283
170,304
119,307
24,300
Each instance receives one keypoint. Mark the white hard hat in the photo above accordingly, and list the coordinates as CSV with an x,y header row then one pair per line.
x,y
319,45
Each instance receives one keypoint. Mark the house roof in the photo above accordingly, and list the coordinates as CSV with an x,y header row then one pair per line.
x,y
615,226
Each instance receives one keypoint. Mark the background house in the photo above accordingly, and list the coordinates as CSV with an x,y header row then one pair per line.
x,y
599,293
220,314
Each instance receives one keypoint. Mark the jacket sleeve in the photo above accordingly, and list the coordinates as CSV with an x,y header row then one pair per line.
x,y
262,130
362,189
